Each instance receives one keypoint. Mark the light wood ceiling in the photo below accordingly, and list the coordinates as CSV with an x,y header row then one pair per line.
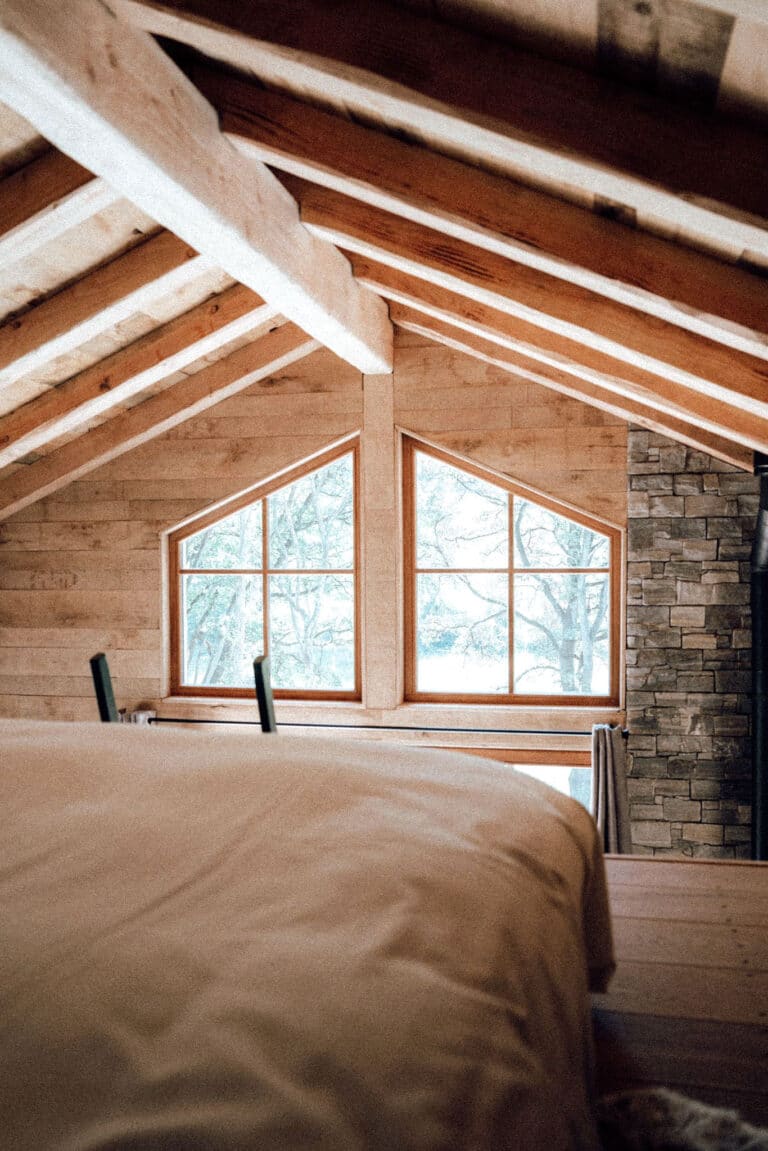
x,y
194,193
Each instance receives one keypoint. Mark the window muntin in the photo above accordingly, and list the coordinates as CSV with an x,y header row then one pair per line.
x,y
508,598
279,573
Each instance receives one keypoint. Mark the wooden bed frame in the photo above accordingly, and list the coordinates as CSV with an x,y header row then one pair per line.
x,y
688,1006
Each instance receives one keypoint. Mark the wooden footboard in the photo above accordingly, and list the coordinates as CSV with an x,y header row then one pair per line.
x,y
688,1006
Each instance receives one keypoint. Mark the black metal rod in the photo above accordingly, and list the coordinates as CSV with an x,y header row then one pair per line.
x,y
102,683
264,693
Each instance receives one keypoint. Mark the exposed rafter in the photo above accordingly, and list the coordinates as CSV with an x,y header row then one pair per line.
x,y
627,409
537,351
601,325
103,298
152,418
675,283
43,200
120,377
109,97
496,105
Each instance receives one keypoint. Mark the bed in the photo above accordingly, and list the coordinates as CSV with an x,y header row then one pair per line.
x,y
234,941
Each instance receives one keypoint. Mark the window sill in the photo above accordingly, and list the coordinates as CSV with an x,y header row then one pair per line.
x,y
465,725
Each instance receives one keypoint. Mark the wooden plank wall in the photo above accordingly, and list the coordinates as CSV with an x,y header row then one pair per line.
x,y
82,570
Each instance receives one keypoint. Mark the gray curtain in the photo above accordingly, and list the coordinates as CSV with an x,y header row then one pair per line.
x,y
610,802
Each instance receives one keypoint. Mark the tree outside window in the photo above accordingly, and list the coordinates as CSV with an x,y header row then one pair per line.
x,y
509,597
277,575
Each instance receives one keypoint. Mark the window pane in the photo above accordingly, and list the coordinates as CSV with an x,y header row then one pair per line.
x,y
573,781
544,539
461,521
234,542
462,630
310,521
312,632
561,634
222,629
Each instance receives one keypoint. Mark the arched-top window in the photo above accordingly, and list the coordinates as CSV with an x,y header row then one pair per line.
x,y
508,598
276,573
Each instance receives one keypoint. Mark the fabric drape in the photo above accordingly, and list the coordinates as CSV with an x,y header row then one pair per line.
x,y
610,802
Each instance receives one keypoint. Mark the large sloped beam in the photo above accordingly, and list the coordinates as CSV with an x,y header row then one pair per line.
x,y
675,283
111,293
153,417
589,375
43,200
106,95
568,310
626,409
126,373
494,104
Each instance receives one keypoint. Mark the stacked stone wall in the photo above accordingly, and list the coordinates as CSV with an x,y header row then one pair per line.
x,y
690,528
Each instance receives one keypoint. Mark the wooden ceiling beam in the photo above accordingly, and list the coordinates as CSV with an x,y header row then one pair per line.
x,y
668,280
567,310
44,199
101,299
489,101
120,377
107,95
593,375
492,353
194,395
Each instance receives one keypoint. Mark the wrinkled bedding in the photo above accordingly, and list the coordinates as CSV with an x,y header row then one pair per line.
x,y
237,941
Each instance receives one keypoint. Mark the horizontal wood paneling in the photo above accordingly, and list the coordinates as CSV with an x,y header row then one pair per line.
x,y
81,571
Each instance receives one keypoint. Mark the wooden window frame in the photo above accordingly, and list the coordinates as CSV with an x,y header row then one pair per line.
x,y
412,695
260,494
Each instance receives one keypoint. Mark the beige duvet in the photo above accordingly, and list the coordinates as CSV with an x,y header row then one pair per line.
x,y
218,941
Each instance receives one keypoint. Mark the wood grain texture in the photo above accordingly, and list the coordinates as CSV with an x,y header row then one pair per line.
x,y
153,417
100,90
670,281
626,406
494,104
528,294
43,200
125,374
688,1007
95,303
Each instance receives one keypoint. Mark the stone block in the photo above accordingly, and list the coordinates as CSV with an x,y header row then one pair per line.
x,y
689,744
701,640
738,834
687,485
738,483
683,809
638,504
722,574
710,833
650,833
657,482
696,462
706,851
683,570
664,637
688,615
679,788
672,457
705,789
732,550
702,550
729,681
748,505
668,505
659,591
723,528
648,768
710,505
643,617
645,811
696,681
